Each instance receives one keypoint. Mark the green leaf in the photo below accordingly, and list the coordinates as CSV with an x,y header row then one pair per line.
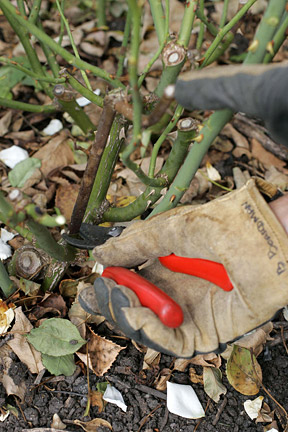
x,y
64,365
56,337
101,387
213,383
23,171
243,371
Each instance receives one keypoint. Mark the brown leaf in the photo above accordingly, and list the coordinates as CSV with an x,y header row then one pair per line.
x,y
161,381
102,353
93,425
65,199
255,340
267,158
5,123
96,399
12,388
181,364
211,360
194,377
52,304
55,154
265,414
237,137
20,345
277,178
151,359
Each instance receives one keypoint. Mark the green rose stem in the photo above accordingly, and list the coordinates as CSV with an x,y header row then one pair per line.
x,y
21,22
6,285
27,107
169,171
264,34
97,203
158,15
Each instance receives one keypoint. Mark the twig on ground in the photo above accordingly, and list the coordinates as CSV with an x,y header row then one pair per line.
x,y
248,128
146,418
220,411
151,391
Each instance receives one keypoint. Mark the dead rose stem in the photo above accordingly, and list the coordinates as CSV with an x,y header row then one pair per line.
x,y
88,179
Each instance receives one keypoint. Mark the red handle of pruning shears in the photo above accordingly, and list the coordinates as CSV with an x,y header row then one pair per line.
x,y
168,311
205,269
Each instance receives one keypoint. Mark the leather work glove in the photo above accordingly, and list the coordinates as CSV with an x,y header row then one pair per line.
x,y
238,230
257,90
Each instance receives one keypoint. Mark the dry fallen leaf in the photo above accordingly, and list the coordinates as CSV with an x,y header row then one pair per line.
x,y
66,198
96,399
194,377
161,381
211,359
20,345
5,123
213,385
255,340
102,353
93,425
151,359
267,158
181,364
55,154
10,386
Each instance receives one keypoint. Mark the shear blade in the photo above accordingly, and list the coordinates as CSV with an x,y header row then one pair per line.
x,y
91,236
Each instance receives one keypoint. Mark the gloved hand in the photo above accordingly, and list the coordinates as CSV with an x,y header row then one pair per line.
x,y
238,230
257,90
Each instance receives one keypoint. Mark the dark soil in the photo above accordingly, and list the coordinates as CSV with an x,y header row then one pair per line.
x,y
147,412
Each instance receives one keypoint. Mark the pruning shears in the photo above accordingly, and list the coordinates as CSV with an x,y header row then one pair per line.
x,y
168,311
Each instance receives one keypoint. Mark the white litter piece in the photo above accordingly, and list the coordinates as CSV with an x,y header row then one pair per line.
x,y
212,172
252,407
113,396
5,249
285,313
13,155
4,416
5,320
82,101
183,401
53,127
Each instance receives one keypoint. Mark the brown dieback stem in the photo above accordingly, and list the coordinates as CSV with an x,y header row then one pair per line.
x,y
96,151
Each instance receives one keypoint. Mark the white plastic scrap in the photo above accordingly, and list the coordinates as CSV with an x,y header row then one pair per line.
x,y
4,416
13,155
252,407
53,127
183,401
212,172
5,249
82,101
5,320
113,396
